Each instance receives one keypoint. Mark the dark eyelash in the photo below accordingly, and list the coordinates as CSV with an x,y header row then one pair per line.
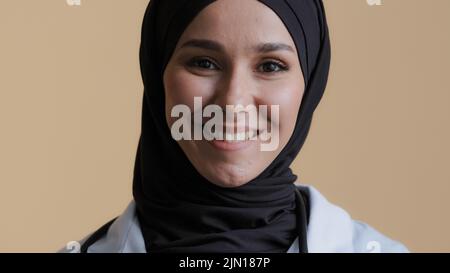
x,y
282,66
194,62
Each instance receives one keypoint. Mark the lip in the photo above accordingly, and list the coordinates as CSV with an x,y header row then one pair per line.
x,y
230,145
233,145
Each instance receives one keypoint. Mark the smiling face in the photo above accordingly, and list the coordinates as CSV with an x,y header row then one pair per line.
x,y
235,53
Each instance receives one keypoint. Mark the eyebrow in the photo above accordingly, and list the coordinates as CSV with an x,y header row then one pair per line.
x,y
215,46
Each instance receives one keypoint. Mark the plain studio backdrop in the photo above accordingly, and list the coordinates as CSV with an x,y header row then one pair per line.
x,y
70,107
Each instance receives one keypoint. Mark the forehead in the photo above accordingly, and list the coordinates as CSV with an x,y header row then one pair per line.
x,y
237,22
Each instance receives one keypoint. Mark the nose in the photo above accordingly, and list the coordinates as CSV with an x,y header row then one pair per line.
x,y
234,88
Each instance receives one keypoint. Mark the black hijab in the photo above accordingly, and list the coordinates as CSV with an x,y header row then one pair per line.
x,y
178,209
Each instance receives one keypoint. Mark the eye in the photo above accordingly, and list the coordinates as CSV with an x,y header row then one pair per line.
x,y
272,66
203,63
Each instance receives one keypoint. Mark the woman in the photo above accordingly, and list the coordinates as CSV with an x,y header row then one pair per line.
x,y
228,194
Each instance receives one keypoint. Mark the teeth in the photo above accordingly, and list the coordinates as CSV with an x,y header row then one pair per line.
x,y
236,137
240,136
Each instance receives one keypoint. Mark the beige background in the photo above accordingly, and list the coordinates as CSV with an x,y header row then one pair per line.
x,y
70,102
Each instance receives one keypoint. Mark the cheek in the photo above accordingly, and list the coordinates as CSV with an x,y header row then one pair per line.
x,y
181,87
288,95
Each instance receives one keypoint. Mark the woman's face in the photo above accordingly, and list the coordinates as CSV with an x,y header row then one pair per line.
x,y
235,53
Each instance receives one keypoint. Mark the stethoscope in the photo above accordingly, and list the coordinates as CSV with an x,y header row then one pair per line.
x,y
302,223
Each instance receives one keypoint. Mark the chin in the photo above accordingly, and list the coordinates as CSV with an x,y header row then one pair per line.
x,y
228,184
228,176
